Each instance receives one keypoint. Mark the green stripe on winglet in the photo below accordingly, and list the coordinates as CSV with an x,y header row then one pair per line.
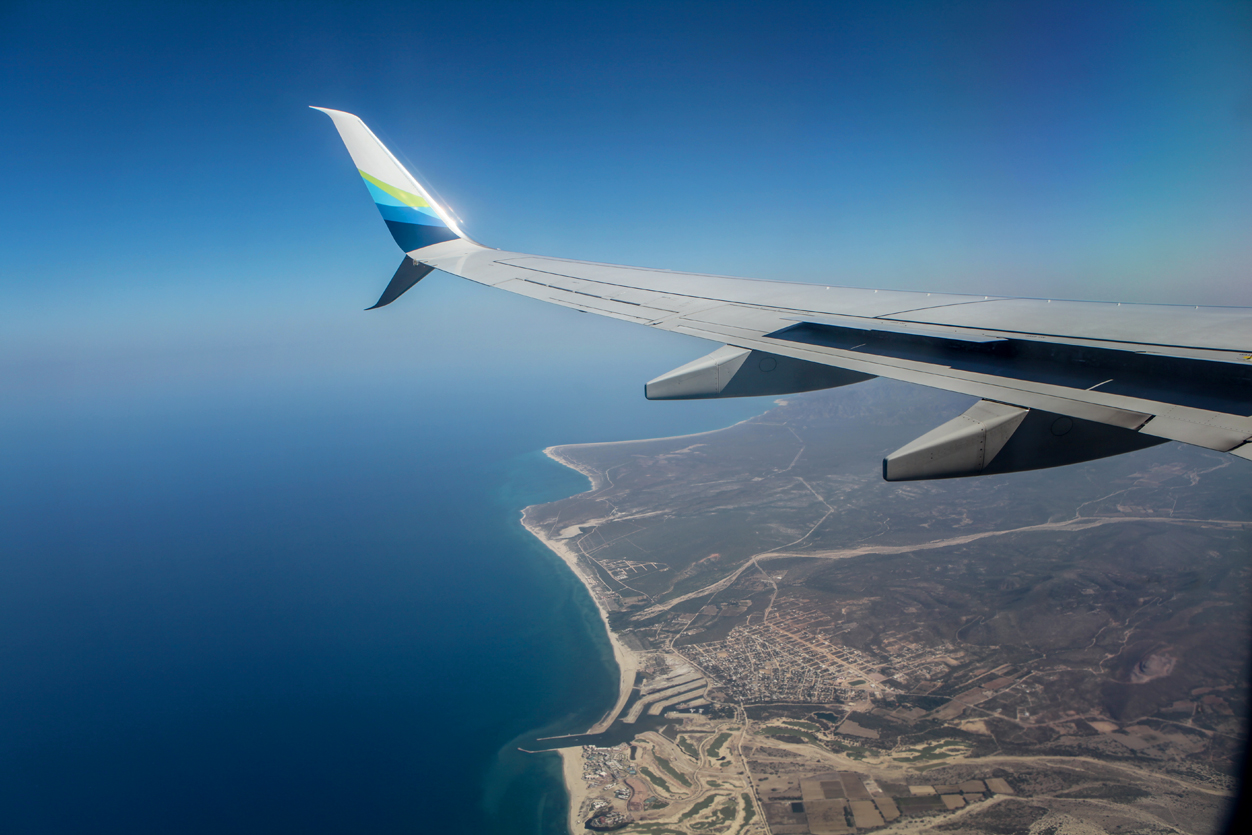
x,y
399,194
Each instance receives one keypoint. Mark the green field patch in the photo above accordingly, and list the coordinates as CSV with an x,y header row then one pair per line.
x,y
856,683
938,751
722,815
715,747
921,758
688,748
856,752
812,727
698,808
655,779
749,811
774,730
667,766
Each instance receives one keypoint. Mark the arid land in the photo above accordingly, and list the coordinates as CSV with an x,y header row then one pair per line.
x,y
808,649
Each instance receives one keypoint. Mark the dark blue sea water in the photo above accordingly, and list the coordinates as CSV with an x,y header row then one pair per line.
x,y
260,609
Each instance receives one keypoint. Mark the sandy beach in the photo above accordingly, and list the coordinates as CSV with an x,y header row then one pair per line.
x,y
575,786
627,662
597,479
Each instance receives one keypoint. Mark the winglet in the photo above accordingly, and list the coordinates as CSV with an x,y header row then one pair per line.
x,y
409,273
412,215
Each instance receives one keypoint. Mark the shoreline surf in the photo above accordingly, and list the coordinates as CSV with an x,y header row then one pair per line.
x,y
626,659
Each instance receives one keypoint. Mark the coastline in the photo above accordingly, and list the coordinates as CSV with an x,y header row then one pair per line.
x,y
594,476
597,478
627,660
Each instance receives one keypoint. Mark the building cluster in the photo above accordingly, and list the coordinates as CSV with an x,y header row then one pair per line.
x,y
623,570
607,767
916,658
798,656
607,771
786,659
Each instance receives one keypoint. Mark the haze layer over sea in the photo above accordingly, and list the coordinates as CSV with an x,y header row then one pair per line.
x,y
261,608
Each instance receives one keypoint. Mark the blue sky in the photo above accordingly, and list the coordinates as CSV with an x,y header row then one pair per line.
x,y
174,216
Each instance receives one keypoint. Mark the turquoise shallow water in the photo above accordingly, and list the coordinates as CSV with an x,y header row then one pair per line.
x,y
294,609
579,690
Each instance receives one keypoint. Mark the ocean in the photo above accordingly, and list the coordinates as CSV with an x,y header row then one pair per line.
x,y
262,608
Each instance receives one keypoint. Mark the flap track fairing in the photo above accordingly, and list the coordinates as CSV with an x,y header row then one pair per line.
x,y
740,372
996,437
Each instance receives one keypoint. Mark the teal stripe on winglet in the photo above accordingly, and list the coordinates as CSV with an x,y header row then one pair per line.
x,y
381,197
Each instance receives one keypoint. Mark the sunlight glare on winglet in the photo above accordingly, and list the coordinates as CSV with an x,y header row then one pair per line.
x,y
414,218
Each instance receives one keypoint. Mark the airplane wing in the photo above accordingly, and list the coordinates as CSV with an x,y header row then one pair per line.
x,y
1058,381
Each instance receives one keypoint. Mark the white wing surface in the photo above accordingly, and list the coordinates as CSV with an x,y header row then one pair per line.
x,y
1059,381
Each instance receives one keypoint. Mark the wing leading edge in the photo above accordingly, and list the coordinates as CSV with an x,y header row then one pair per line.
x,y
1058,381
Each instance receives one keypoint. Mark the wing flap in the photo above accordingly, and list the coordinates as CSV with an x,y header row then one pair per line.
x,y
1201,428
889,326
